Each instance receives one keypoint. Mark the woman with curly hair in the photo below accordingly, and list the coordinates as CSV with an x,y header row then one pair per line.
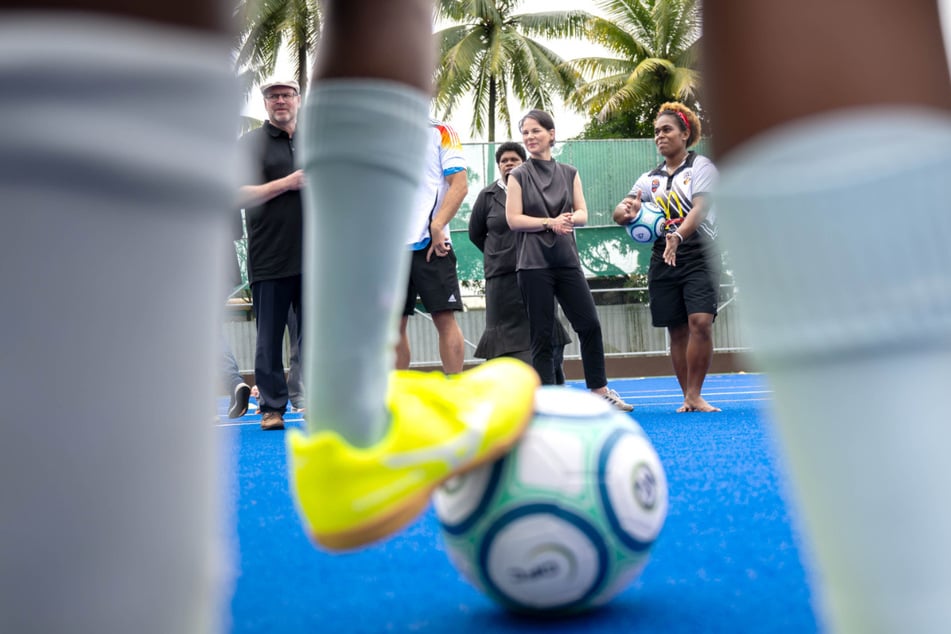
x,y
684,274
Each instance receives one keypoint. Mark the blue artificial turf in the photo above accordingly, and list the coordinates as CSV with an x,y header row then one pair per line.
x,y
729,558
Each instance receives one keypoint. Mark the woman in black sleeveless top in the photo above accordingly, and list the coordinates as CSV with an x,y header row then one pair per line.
x,y
545,203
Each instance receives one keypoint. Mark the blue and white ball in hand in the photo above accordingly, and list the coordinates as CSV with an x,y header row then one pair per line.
x,y
648,225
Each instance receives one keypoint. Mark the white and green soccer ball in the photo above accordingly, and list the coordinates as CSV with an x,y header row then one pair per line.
x,y
567,519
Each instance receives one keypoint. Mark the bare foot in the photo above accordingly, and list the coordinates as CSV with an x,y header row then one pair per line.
x,y
697,404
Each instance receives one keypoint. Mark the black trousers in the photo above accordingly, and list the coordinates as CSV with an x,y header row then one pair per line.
x,y
558,360
272,301
540,288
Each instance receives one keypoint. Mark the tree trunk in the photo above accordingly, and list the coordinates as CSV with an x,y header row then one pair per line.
x,y
302,66
493,95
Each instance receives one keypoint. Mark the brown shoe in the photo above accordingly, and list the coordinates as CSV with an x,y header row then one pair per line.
x,y
271,421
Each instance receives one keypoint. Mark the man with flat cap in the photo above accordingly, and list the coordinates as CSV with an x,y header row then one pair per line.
x,y
274,216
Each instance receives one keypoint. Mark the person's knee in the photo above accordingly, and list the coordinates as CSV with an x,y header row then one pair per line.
x,y
701,325
446,324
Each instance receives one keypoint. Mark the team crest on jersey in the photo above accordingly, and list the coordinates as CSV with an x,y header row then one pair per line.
x,y
654,185
687,177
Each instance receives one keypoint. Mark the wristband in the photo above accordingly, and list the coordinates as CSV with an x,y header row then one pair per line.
x,y
679,235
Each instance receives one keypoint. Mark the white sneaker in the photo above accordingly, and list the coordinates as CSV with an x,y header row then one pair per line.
x,y
614,399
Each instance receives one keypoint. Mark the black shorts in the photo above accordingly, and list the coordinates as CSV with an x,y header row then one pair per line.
x,y
435,283
693,286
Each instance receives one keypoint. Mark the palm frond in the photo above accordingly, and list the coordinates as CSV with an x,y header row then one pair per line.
x,y
656,44
268,27
490,56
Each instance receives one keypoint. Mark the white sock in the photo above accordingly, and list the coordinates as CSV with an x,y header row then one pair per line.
x,y
116,175
838,231
364,150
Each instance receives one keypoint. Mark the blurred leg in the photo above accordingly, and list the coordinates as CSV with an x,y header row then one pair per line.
x,y
375,81
367,129
111,508
749,47
842,332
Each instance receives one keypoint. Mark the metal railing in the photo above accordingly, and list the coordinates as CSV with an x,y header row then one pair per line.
x,y
626,330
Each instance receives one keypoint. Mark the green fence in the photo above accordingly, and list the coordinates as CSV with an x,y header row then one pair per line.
x,y
608,169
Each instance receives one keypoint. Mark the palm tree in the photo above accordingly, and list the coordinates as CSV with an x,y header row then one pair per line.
x,y
656,43
266,28
488,53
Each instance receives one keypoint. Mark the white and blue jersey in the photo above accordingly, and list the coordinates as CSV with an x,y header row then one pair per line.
x,y
444,158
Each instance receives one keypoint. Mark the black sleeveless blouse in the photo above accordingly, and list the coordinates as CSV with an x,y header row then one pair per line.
x,y
547,191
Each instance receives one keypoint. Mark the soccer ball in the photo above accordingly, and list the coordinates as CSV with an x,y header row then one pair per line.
x,y
648,224
566,520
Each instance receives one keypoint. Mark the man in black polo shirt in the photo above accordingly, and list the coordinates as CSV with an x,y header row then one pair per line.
x,y
273,212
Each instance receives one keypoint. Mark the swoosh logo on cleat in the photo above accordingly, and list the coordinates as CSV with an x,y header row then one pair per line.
x,y
393,490
457,451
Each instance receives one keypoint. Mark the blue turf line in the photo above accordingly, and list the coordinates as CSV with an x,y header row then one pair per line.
x,y
728,560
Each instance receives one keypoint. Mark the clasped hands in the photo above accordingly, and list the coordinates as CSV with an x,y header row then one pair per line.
x,y
562,224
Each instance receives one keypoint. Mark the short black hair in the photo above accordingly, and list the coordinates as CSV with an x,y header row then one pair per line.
x,y
544,119
510,146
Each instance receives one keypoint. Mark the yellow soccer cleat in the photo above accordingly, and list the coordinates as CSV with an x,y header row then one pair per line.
x,y
439,426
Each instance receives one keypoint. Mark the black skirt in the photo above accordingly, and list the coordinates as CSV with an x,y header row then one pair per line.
x,y
506,322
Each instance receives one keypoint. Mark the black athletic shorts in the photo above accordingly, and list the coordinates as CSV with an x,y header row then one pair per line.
x,y
693,286
435,283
